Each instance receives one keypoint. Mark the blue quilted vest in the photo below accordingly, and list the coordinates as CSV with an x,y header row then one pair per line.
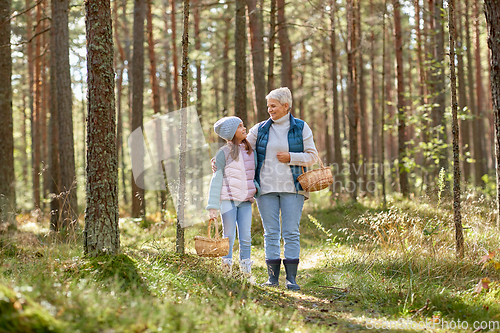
x,y
295,145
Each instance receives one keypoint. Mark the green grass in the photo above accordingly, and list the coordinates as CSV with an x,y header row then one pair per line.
x,y
359,262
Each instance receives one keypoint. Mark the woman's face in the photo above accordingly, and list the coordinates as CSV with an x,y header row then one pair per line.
x,y
241,133
275,109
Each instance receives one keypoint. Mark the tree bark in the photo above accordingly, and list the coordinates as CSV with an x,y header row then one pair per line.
x,y
271,46
35,125
101,234
240,77
69,208
45,95
168,76
155,87
183,147
337,143
457,217
363,119
32,115
382,112
54,166
462,95
177,96
374,107
138,199
257,46
492,11
7,177
476,142
120,69
439,77
285,48
481,139
225,71
352,100
403,174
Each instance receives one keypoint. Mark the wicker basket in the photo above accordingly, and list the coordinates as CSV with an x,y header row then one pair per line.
x,y
211,247
317,179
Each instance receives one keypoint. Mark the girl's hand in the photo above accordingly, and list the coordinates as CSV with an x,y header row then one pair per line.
x,y
214,167
283,157
213,213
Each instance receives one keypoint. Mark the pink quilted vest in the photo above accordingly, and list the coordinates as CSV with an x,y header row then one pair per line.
x,y
238,176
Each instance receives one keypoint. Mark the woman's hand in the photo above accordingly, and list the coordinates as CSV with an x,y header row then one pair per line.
x,y
283,157
213,213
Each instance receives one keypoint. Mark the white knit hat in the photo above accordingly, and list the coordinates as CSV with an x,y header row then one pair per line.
x,y
226,127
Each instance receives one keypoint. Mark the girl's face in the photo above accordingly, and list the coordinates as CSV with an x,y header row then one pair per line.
x,y
275,109
241,133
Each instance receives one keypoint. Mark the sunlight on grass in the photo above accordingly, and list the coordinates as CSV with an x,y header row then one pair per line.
x,y
360,265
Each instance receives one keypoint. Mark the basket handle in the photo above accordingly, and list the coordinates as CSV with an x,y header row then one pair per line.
x,y
216,224
317,158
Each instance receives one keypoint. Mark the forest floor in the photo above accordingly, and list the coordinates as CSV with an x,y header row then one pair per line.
x,y
363,268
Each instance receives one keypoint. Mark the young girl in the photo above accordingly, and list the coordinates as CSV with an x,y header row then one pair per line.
x,y
233,188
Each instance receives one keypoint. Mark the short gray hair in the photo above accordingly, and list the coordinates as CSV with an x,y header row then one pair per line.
x,y
282,95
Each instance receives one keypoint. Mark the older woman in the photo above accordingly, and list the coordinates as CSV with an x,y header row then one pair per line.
x,y
284,145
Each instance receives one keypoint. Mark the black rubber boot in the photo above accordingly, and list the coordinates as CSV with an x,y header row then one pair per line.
x,y
273,269
291,273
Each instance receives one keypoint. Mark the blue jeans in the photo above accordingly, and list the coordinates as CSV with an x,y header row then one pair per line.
x,y
237,213
290,205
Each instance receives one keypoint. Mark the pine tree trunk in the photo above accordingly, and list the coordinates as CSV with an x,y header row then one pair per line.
x,y
481,140
168,76
462,95
54,166
363,118
24,152
45,94
257,46
285,47
388,71
439,77
138,199
352,100
101,234
7,177
271,46
492,11
69,208
199,96
155,87
35,130
403,174
183,147
457,217
240,77
301,108
225,72
177,96
476,142
31,72
128,94
375,115
337,144
120,68
382,112
420,159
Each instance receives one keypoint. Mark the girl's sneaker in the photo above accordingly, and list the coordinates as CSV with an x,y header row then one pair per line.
x,y
246,270
227,265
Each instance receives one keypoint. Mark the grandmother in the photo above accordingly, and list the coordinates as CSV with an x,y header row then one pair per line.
x,y
284,145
